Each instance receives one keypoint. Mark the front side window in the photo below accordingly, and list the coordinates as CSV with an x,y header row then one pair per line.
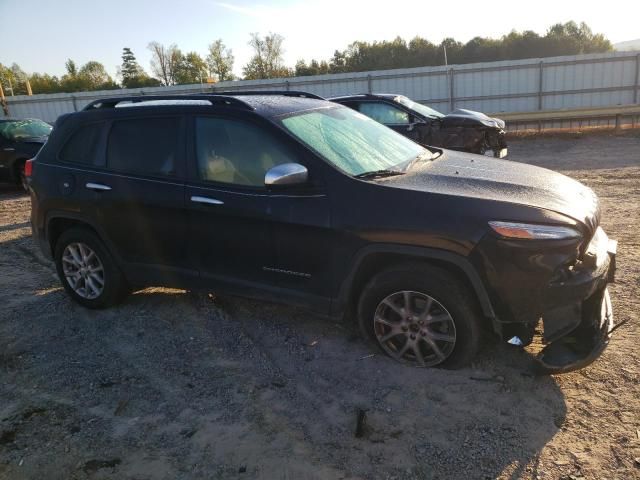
x,y
82,147
351,141
236,152
384,113
24,129
148,146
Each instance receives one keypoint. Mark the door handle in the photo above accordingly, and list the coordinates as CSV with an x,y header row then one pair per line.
x,y
9,149
207,200
98,187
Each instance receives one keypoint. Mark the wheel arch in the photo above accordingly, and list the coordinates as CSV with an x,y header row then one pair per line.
x,y
375,258
59,222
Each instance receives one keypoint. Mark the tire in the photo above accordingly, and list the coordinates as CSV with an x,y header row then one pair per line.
x,y
443,313
80,243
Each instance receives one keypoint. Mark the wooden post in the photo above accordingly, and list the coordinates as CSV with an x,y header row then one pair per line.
x,y
3,102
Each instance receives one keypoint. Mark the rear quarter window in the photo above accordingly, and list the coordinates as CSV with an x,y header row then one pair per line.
x,y
147,146
82,146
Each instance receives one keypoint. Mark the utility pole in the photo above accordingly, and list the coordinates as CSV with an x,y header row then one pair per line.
x,y
445,55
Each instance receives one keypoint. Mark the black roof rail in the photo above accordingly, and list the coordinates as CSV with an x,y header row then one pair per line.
x,y
111,102
365,94
286,93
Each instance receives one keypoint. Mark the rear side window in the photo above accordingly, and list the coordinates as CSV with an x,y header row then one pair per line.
x,y
82,147
147,146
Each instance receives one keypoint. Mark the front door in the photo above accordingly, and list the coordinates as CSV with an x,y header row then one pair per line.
x,y
393,117
240,231
230,233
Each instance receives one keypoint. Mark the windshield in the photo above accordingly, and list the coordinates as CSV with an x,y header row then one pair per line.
x,y
418,107
21,129
351,141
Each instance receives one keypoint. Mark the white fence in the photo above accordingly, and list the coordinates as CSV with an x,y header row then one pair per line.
x,y
571,82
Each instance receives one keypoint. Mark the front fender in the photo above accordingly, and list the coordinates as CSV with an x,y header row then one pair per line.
x,y
461,264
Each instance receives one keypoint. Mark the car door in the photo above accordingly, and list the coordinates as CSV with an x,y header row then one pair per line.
x,y
239,231
139,197
390,115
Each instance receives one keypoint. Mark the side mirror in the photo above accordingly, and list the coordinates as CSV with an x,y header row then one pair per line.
x,y
286,174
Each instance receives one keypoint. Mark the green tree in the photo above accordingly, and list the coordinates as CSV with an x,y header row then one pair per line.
x,y
267,60
44,83
13,79
220,61
132,74
561,39
190,68
314,68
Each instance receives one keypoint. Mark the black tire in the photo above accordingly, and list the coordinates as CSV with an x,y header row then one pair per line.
x,y
444,288
115,285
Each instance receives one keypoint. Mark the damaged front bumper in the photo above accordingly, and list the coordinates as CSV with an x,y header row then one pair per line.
x,y
585,343
579,329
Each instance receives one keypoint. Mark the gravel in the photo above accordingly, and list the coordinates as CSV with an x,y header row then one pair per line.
x,y
173,384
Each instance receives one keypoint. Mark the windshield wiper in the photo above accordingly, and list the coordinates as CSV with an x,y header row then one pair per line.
x,y
378,173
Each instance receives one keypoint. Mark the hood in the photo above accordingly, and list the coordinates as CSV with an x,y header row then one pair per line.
x,y
477,176
462,117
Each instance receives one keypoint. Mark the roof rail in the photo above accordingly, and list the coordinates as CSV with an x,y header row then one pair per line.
x,y
111,102
286,93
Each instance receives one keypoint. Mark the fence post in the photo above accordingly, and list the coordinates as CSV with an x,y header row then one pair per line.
x,y
73,100
635,90
369,89
540,77
287,85
452,100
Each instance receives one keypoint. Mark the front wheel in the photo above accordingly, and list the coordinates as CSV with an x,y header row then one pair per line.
x,y
87,270
422,316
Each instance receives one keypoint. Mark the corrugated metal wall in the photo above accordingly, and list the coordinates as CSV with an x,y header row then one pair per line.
x,y
570,82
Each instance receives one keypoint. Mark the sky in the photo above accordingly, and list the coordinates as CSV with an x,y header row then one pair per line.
x,y
41,35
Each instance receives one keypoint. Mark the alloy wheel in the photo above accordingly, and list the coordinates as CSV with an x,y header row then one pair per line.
x,y
415,328
83,270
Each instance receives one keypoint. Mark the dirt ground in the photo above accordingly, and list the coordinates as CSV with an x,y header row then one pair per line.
x,y
175,385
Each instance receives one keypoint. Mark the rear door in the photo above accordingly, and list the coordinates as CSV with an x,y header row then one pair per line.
x,y
139,197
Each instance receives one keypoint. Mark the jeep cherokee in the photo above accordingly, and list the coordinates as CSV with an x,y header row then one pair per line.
x,y
288,197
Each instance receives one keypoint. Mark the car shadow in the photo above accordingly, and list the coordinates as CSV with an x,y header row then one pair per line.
x,y
277,381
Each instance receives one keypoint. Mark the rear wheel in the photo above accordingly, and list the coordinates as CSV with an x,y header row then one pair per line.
x,y
421,316
87,270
